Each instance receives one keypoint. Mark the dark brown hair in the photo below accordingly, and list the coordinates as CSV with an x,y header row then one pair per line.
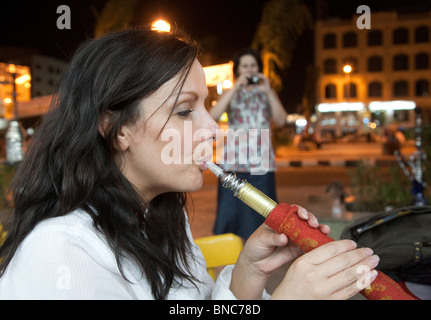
x,y
245,52
69,165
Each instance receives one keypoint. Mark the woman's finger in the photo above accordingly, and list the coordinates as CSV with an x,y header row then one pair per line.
x,y
304,214
312,220
328,251
355,287
346,260
270,238
355,277
324,228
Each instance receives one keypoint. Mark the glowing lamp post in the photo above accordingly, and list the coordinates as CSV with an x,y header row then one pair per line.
x,y
347,70
161,25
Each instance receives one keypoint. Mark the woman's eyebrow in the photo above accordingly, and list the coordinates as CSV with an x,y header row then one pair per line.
x,y
192,93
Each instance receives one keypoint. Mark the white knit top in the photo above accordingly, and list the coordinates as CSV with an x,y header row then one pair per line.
x,y
67,258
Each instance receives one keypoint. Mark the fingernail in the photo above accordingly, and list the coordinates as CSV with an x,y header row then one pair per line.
x,y
368,251
374,260
328,228
354,244
304,214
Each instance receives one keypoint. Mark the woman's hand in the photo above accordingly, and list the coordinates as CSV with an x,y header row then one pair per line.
x,y
336,270
264,83
241,81
267,250
264,252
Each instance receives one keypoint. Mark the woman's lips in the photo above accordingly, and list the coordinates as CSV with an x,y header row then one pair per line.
x,y
203,166
202,163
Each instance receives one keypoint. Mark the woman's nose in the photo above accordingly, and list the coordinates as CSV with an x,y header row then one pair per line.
x,y
208,129
215,127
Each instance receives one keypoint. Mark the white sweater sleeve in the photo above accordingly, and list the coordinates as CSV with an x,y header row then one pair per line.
x,y
221,290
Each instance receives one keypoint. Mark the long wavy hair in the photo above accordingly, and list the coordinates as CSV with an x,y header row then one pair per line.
x,y
69,165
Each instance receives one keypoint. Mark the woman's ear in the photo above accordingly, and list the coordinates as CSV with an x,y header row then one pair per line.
x,y
104,125
123,138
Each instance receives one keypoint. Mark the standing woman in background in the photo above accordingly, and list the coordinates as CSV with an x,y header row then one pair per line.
x,y
250,104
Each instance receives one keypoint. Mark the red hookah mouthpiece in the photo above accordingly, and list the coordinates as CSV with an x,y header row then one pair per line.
x,y
284,219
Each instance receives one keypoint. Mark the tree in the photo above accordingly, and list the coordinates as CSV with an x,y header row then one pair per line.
x,y
282,23
116,15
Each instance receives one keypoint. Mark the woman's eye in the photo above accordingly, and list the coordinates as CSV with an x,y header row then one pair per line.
x,y
185,113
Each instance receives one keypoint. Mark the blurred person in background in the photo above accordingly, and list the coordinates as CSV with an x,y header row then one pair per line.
x,y
250,104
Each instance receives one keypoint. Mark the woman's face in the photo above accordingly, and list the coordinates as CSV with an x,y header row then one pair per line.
x,y
248,66
162,156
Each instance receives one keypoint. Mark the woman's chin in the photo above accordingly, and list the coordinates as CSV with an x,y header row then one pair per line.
x,y
195,183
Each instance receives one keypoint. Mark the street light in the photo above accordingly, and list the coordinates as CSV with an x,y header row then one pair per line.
x,y
347,70
161,25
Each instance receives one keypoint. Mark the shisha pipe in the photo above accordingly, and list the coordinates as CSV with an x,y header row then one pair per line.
x,y
283,218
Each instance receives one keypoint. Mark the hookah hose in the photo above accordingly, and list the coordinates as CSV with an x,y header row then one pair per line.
x,y
283,218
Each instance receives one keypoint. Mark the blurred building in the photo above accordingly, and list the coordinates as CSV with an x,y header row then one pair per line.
x,y
219,78
14,88
390,71
36,79
46,72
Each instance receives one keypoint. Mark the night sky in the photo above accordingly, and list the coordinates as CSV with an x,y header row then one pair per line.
x,y
33,23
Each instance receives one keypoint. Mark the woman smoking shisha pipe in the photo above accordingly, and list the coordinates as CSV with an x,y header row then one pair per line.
x,y
98,214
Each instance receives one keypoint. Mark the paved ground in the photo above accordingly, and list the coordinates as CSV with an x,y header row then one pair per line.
x,y
338,154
